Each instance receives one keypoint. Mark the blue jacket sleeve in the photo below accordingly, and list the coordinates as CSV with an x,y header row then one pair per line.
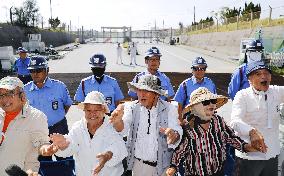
x,y
234,84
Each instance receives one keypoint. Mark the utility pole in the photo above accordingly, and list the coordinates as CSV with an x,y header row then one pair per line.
x,y
50,9
194,15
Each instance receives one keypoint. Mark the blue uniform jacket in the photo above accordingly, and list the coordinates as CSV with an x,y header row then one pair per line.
x,y
50,99
108,87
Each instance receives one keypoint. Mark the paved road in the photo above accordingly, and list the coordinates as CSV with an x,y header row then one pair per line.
x,y
174,59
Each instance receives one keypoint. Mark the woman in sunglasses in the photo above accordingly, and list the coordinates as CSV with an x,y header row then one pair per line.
x,y
203,145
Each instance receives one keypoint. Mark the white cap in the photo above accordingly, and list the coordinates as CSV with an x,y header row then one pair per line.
x,y
11,83
95,98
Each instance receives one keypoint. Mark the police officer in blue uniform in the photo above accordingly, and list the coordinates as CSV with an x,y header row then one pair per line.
x,y
239,80
152,60
21,64
100,82
50,96
197,80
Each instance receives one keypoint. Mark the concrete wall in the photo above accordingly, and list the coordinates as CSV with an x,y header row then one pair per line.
x,y
229,42
14,36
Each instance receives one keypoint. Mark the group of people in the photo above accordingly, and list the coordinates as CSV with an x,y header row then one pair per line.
x,y
160,137
132,51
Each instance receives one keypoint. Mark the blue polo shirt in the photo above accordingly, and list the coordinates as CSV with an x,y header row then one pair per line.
x,y
21,66
165,83
108,87
191,85
50,99
238,81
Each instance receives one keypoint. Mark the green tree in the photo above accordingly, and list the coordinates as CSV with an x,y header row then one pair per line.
x,y
251,7
27,15
54,22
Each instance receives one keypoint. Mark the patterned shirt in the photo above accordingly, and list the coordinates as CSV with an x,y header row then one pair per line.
x,y
205,150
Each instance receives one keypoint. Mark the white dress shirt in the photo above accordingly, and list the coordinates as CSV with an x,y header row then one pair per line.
x,y
86,149
258,110
146,145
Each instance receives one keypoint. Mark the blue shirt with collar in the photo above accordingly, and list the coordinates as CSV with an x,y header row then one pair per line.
x,y
50,99
108,87
191,85
21,66
238,81
165,83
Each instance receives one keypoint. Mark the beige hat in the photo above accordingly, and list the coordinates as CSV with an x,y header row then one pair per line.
x,y
95,98
202,94
150,83
11,83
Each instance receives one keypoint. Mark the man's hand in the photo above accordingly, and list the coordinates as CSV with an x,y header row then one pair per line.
x,y
249,148
172,136
48,150
170,171
257,141
59,140
31,173
116,118
103,158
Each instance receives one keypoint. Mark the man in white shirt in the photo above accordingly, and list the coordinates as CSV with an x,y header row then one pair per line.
x,y
119,54
151,125
255,117
97,148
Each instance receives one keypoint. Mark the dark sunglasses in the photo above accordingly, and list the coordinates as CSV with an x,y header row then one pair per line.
x,y
207,102
198,69
37,70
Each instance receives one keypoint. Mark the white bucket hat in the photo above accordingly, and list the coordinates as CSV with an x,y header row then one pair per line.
x,y
11,83
95,98
150,83
202,94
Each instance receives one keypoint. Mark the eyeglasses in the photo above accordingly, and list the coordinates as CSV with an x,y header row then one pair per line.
x,y
198,68
10,94
207,102
39,70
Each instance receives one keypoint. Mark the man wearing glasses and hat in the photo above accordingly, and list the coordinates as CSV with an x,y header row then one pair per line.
x,y
24,132
21,66
197,80
151,125
255,116
204,143
97,148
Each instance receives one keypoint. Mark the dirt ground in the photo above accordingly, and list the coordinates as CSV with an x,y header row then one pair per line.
x,y
221,80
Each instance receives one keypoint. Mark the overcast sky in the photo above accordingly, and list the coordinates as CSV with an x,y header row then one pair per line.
x,y
139,14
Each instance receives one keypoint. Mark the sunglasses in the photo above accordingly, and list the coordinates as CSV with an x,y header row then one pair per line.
x,y
198,69
39,70
207,102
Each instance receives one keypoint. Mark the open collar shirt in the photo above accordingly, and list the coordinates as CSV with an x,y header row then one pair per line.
x,y
258,110
146,145
85,149
23,138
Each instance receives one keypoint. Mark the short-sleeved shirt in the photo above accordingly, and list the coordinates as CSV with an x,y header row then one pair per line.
x,y
23,138
108,87
21,66
165,83
50,99
183,97
238,81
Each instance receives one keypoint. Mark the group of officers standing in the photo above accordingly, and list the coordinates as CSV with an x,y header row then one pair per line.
x,y
157,142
